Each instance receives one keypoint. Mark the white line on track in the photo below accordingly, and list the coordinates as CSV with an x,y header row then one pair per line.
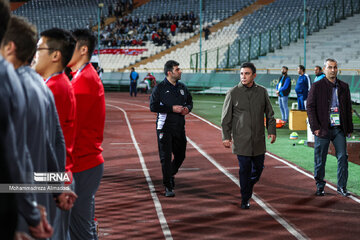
x,y
283,161
308,175
271,212
134,170
164,226
268,209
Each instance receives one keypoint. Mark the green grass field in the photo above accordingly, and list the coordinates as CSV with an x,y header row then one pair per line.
x,y
210,106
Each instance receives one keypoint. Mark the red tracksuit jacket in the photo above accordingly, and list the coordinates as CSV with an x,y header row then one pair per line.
x,y
66,107
90,115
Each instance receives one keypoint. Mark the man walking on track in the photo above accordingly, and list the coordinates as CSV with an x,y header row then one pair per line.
x,y
171,100
330,118
242,124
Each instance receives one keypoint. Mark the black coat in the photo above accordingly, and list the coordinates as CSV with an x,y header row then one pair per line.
x,y
319,103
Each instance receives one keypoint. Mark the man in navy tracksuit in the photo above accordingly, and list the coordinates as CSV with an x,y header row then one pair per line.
x,y
302,87
171,100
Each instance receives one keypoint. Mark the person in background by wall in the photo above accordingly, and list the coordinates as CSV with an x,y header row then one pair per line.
x,y
207,32
99,71
134,76
173,29
283,89
302,87
150,81
318,73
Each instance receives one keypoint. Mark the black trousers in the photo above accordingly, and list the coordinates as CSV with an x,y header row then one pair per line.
x,y
249,173
171,143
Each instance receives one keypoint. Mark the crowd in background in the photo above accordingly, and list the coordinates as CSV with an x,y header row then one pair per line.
x,y
133,31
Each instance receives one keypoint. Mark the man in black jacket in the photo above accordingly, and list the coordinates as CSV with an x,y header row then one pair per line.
x,y
171,100
330,118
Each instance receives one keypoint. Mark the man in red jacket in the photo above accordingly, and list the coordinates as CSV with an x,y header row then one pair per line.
x,y
90,113
54,51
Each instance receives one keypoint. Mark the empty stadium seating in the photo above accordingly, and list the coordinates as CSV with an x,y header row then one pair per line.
x,y
67,14
276,27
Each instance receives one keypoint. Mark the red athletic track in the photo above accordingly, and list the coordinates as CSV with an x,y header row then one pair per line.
x,y
207,202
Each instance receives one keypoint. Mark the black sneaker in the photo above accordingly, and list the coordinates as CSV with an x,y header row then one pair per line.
x,y
343,192
320,192
245,205
169,192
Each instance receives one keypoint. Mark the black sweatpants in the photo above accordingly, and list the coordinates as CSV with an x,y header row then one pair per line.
x,y
171,142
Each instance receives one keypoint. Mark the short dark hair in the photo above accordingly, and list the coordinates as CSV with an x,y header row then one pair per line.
x,y
285,67
4,17
60,40
84,37
302,67
169,66
24,36
249,65
318,67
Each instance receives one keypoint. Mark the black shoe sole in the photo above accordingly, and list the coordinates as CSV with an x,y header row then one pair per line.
x,y
342,194
245,206
169,193
320,194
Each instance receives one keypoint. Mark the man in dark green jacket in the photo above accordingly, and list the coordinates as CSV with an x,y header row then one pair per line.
x,y
242,124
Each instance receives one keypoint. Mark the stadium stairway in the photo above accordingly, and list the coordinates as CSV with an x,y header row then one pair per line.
x,y
109,20
231,20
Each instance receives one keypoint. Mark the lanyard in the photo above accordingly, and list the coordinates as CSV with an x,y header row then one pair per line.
x,y
52,75
337,97
80,69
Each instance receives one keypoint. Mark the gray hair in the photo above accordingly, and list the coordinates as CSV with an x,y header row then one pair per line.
x,y
329,60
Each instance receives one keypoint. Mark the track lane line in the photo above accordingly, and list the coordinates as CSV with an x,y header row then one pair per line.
x,y
272,212
293,166
163,223
296,168
296,233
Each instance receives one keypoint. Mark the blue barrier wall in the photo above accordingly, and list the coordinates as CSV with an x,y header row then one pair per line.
x,y
219,83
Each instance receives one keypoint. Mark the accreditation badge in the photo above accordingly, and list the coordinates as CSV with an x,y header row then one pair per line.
x,y
334,117
182,92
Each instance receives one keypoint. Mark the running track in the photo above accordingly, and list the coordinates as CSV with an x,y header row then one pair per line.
x,y
130,202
